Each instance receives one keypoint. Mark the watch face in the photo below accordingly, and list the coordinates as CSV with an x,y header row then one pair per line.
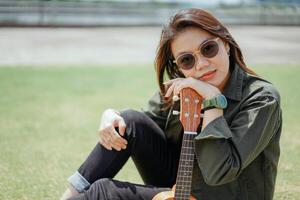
x,y
216,102
221,102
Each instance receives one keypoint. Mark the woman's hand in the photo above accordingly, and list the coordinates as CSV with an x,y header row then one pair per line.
x,y
207,91
109,137
204,89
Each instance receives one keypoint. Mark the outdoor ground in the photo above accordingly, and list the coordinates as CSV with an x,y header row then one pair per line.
x,y
49,112
49,119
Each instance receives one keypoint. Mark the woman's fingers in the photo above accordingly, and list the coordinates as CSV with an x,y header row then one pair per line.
x,y
120,123
170,90
116,138
169,82
177,88
108,142
176,85
105,144
174,88
204,89
110,138
104,140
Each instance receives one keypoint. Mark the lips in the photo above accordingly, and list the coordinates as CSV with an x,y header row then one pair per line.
x,y
208,75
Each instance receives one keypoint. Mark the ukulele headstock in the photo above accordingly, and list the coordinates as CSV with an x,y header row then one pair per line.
x,y
190,109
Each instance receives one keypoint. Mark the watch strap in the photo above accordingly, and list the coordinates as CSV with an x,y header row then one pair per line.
x,y
218,101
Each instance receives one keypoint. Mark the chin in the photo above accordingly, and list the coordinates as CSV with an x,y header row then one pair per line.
x,y
214,83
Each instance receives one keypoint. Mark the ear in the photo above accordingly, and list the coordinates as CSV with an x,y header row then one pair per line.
x,y
227,47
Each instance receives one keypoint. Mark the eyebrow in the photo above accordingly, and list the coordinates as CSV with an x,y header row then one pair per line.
x,y
184,52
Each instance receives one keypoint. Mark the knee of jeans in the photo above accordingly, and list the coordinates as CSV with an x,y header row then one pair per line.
x,y
102,182
132,116
134,121
100,188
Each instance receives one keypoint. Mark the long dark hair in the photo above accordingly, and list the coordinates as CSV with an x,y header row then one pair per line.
x,y
180,21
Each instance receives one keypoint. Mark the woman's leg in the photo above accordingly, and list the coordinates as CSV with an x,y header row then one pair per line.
x,y
108,189
154,157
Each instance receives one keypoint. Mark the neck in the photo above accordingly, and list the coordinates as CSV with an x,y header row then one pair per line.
x,y
224,82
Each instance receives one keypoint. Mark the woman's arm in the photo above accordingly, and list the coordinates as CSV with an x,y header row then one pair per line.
x,y
223,150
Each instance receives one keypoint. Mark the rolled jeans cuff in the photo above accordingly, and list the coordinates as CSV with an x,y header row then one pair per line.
x,y
78,182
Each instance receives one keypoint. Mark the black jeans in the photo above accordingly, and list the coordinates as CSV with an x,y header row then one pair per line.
x,y
154,156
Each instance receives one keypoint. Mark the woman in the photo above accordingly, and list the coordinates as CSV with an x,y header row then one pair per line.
x,y
237,150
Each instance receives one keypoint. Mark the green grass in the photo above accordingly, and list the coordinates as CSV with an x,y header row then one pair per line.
x,y
49,119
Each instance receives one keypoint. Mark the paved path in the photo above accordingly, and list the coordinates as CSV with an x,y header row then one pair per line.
x,y
133,45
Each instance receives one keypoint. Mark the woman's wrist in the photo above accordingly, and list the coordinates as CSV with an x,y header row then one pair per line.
x,y
210,115
212,94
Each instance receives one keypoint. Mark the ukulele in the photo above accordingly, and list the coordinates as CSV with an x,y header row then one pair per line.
x,y
190,117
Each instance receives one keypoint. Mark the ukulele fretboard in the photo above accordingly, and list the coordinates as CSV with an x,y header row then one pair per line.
x,y
185,168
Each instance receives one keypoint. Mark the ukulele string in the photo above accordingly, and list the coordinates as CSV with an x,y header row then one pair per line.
x,y
187,141
195,113
188,148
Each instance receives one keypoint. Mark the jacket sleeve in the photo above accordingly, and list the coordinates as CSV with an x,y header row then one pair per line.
x,y
224,150
156,111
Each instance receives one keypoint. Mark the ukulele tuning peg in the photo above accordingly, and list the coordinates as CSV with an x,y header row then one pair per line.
x,y
176,112
175,98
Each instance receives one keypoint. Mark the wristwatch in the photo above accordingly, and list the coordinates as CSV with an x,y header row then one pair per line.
x,y
218,101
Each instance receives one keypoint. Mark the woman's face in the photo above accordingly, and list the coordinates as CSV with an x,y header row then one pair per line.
x,y
214,70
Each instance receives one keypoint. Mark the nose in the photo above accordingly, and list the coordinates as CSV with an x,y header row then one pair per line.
x,y
201,63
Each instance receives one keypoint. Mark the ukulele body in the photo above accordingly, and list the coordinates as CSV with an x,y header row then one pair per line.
x,y
168,195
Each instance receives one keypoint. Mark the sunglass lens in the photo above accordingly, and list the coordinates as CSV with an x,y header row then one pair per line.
x,y
186,61
210,49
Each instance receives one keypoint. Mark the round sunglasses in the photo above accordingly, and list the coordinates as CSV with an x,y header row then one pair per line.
x,y
208,49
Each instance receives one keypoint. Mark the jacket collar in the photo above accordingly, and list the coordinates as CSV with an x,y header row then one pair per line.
x,y
233,89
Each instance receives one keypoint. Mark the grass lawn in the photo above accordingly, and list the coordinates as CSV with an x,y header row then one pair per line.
x,y
49,119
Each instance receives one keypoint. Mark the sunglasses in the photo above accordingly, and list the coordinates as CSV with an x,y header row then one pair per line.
x,y
208,49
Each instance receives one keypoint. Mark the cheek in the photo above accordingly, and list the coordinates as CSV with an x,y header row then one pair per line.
x,y
226,64
223,62
187,73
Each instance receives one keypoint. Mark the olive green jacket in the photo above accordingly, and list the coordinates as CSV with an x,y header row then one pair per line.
x,y
236,154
